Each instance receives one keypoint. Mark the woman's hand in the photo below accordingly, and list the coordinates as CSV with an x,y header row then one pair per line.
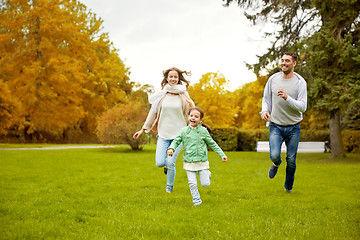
x,y
138,133
224,159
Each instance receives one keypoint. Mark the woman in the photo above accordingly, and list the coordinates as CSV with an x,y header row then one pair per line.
x,y
169,110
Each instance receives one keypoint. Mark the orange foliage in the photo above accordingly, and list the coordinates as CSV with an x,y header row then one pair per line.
x,y
118,124
218,104
249,98
58,67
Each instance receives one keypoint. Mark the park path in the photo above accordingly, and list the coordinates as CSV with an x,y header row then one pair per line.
x,y
57,148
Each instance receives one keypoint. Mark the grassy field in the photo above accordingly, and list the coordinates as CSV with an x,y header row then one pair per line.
x,y
115,193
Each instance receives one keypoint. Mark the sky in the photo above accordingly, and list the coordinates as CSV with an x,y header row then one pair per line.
x,y
200,36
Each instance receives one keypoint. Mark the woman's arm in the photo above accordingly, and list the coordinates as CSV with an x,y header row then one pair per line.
x,y
147,125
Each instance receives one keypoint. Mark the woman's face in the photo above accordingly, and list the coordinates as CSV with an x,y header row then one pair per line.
x,y
173,78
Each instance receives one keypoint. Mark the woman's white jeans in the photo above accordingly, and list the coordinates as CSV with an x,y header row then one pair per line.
x,y
204,180
162,160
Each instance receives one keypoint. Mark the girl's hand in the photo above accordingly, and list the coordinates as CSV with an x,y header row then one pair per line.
x,y
137,134
170,152
224,159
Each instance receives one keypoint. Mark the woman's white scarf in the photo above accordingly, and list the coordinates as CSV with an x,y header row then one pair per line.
x,y
156,97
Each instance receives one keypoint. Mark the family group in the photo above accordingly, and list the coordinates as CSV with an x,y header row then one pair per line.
x,y
179,124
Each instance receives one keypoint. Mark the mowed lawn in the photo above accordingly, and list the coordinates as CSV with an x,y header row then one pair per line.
x,y
116,193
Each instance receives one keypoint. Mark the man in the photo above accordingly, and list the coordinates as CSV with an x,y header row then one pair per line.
x,y
284,101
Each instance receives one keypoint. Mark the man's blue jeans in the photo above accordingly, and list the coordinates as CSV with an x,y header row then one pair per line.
x,y
291,136
161,160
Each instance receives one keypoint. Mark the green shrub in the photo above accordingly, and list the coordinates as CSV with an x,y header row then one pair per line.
x,y
226,138
234,139
247,138
315,136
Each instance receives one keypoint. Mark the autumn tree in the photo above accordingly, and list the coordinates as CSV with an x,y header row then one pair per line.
x,y
332,43
218,103
58,66
248,99
9,111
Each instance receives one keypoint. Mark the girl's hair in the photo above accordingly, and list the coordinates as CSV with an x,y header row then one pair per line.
x,y
201,116
181,77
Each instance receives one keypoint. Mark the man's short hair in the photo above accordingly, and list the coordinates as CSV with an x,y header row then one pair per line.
x,y
292,54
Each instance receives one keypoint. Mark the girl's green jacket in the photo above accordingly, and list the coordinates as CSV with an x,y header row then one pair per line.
x,y
195,143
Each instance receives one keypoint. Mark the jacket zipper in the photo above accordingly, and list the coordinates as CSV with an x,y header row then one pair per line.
x,y
197,147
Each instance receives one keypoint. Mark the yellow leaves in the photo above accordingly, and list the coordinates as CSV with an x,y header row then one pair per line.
x,y
249,99
9,109
218,104
56,66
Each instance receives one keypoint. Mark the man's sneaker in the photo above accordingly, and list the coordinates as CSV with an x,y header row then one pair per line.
x,y
288,190
273,170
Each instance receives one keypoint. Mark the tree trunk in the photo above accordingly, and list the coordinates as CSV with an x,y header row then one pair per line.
x,y
336,143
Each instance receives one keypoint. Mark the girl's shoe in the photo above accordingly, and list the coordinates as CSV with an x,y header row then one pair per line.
x,y
165,169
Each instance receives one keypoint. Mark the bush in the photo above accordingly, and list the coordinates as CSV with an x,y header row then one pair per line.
x,y
315,136
351,140
226,138
118,124
247,138
234,139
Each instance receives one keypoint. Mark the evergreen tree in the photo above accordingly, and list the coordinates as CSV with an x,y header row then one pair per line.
x,y
330,51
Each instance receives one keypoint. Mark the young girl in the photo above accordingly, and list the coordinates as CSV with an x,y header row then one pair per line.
x,y
195,139
168,115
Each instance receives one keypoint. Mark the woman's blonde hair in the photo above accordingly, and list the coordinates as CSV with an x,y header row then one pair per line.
x,y
181,76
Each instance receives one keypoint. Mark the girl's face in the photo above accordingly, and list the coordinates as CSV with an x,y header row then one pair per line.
x,y
194,118
173,78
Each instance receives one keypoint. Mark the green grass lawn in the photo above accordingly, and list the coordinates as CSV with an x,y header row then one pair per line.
x,y
116,193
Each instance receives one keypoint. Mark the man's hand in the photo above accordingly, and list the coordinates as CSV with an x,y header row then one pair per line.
x,y
265,116
282,93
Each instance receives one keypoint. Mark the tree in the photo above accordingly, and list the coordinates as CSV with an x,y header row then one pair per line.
x,y
58,66
248,98
9,111
118,124
335,85
217,102
337,35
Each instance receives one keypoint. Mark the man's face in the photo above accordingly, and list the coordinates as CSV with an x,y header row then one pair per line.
x,y
287,64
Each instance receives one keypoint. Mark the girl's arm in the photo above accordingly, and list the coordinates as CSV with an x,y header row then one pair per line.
x,y
174,144
213,145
